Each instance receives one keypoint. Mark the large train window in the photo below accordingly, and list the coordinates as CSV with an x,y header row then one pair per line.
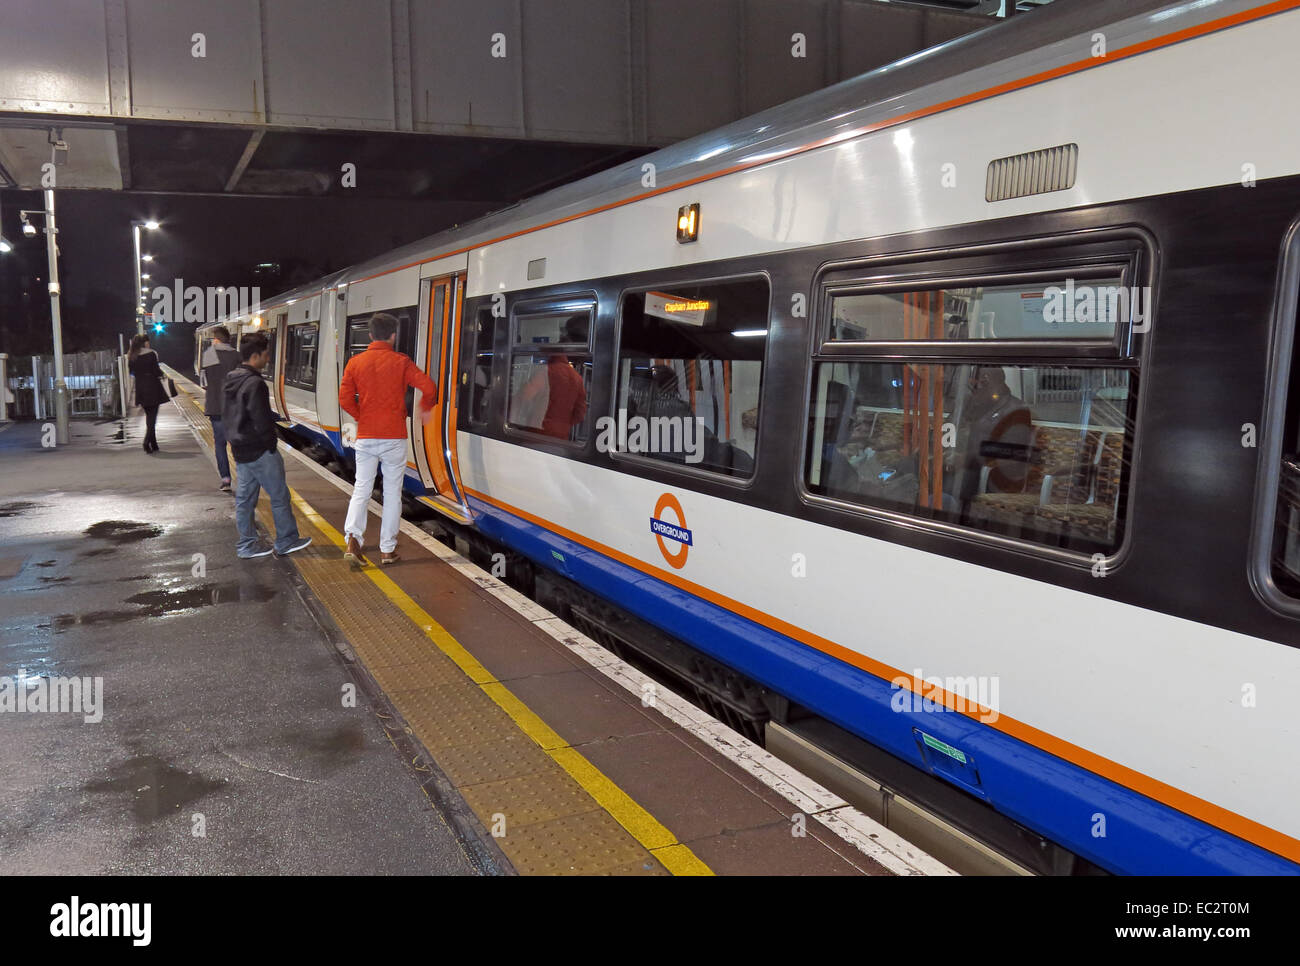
x,y
690,370
300,356
550,370
928,400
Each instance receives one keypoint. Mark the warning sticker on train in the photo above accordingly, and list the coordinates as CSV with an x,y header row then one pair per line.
x,y
674,530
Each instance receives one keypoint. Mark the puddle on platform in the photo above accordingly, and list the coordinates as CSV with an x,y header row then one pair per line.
x,y
19,507
123,531
47,563
136,577
157,788
160,603
54,580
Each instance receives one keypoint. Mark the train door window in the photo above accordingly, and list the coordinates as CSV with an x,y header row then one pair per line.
x,y
269,372
690,371
300,356
480,374
550,370
989,426
358,334
359,330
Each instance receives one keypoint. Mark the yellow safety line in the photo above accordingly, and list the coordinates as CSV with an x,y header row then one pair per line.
x,y
640,824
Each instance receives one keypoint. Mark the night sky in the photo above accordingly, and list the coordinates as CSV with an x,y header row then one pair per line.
x,y
203,240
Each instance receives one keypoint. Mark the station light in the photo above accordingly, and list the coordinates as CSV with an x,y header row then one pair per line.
x,y
5,246
28,228
146,258
159,328
150,225
145,275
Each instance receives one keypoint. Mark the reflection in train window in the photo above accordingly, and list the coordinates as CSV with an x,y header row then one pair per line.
x,y
300,356
1034,452
1075,308
550,373
480,382
690,371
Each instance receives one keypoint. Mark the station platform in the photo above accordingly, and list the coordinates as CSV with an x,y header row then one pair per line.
x,y
419,718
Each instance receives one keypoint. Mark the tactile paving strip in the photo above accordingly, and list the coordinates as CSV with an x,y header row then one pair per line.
x,y
545,822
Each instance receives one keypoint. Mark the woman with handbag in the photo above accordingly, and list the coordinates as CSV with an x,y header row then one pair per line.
x,y
150,386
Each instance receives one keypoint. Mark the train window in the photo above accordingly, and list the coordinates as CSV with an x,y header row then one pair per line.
x,y
690,370
1033,452
359,330
1060,309
983,429
480,389
300,356
550,372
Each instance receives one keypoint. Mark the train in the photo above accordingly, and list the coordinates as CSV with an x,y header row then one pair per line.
x,y
948,412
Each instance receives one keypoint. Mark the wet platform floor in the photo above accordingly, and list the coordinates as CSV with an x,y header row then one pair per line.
x,y
225,745
483,709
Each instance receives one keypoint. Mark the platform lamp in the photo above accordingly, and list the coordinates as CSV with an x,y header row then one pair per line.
x,y
149,225
61,405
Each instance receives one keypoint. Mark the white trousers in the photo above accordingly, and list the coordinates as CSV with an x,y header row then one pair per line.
x,y
371,454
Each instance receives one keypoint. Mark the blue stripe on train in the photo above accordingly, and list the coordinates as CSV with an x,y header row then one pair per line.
x,y
1063,802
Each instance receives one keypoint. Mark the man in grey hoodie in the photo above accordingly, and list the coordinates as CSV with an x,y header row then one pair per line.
x,y
214,365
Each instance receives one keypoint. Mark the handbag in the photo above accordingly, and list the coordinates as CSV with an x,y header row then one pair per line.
x,y
169,385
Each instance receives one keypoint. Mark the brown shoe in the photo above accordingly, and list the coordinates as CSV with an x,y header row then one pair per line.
x,y
353,552
389,558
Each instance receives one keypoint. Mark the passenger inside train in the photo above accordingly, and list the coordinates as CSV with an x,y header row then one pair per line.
x,y
1030,451
696,353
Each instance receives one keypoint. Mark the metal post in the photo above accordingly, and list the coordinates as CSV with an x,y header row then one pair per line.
x,y
4,387
38,409
139,315
60,387
122,371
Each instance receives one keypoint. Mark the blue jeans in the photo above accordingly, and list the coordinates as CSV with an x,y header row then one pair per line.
x,y
265,472
219,444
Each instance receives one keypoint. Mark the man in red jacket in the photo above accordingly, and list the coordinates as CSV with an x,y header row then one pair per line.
x,y
373,392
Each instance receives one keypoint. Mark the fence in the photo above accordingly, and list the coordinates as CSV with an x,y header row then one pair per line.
x,y
92,378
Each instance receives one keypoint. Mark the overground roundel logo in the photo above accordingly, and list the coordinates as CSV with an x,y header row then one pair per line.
x,y
674,530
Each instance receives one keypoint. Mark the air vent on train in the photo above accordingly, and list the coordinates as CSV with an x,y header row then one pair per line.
x,y
1035,173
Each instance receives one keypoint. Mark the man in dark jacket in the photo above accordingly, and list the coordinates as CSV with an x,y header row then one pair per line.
x,y
251,429
218,359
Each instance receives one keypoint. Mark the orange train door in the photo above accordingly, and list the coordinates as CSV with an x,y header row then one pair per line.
x,y
435,449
